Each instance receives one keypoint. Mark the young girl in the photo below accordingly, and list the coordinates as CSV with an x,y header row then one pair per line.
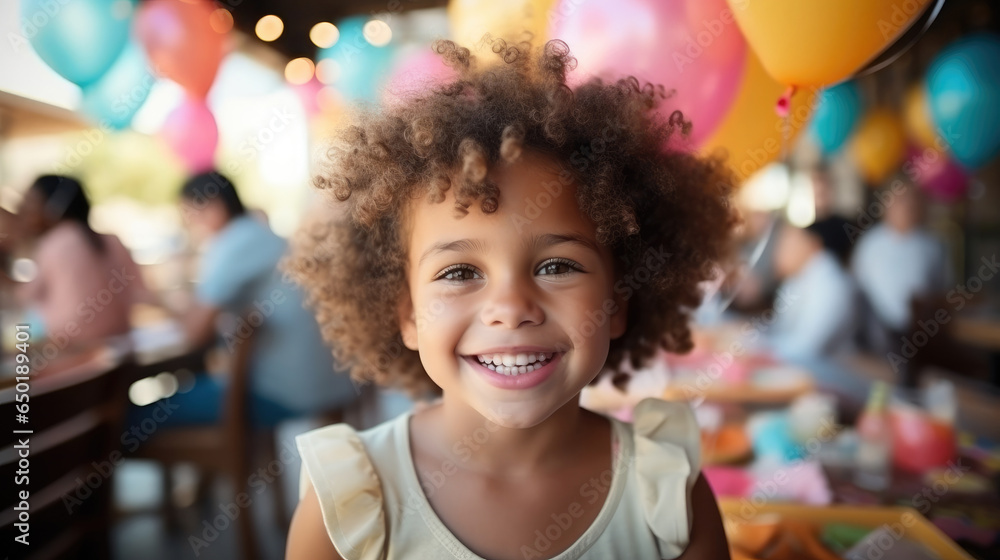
x,y
505,238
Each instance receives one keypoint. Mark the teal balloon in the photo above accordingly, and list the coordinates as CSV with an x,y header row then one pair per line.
x,y
364,68
79,39
963,90
116,97
838,109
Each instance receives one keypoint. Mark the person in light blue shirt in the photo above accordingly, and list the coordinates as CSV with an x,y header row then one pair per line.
x,y
896,261
819,307
292,371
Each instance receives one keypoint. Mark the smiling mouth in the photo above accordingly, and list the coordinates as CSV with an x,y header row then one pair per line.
x,y
515,364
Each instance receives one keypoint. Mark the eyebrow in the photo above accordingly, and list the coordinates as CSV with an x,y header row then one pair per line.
x,y
546,240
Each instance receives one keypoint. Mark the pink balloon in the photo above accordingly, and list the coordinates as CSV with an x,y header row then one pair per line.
x,y
691,46
190,130
413,73
309,95
180,42
937,174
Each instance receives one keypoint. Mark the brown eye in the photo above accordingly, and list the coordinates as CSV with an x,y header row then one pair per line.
x,y
557,267
458,273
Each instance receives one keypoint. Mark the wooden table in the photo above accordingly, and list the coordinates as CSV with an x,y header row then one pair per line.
x,y
148,361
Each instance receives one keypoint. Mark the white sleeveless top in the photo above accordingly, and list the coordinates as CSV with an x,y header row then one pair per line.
x,y
374,507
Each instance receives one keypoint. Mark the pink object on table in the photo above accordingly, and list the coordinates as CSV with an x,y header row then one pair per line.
x,y
729,482
920,441
737,373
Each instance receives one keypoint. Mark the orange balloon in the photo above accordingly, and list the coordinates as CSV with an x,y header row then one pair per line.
x,y
821,42
181,42
752,134
471,20
879,145
917,114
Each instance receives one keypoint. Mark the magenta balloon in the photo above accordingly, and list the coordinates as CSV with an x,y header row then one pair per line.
x,y
309,95
191,132
691,46
413,72
937,174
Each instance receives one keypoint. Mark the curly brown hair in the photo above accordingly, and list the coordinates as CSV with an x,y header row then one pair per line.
x,y
640,195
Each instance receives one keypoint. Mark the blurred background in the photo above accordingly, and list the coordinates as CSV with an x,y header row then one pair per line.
x,y
155,155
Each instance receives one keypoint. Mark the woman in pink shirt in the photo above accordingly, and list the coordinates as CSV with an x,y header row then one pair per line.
x,y
86,282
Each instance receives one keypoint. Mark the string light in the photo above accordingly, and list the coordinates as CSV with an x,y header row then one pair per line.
x,y
299,70
327,71
377,33
269,28
324,34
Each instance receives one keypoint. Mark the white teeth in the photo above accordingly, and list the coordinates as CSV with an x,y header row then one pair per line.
x,y
515,364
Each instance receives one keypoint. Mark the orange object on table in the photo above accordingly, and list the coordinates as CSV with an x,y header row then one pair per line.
x,y
906,521
729,444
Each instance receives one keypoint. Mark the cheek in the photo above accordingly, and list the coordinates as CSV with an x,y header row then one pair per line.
x,y
440,319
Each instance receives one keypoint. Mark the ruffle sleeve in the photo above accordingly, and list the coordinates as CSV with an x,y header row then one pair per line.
x,y
336,464
667,464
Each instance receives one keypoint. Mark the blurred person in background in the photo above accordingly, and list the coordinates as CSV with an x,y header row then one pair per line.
x,y
895,261
754,282
816,306
85,282
830,226
292,372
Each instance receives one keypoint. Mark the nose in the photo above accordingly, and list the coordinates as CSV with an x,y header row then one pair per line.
x,y
511,304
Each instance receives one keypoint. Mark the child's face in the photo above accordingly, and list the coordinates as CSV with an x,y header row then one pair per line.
x,y
526,282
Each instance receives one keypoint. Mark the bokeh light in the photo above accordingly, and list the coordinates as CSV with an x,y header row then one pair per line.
x,y
299,70
221,20
324,34
377,33
269,28
327,71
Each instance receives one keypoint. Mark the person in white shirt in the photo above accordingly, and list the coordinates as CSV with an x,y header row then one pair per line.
x,y
896,261
816,308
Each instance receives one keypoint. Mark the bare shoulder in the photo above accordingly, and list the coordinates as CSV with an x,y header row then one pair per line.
x,y
307,536
708,536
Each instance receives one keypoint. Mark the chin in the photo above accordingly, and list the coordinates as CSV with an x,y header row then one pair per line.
x,y
517,415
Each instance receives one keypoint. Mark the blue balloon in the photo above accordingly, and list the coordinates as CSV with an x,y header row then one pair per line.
x,y
116,97
364,68
963,90
79,39
837,111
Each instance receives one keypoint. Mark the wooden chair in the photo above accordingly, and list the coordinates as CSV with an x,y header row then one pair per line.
x,y
218,449
76,417
233,448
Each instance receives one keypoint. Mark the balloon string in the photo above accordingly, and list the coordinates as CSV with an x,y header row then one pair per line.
x,y
785,102
783,109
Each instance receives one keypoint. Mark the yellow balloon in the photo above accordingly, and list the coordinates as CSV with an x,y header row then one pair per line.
x,y
472,20
917,114
879,145
821,42
752,134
